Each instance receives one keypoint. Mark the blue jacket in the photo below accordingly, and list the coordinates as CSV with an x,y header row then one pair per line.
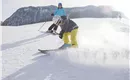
x,y
60,12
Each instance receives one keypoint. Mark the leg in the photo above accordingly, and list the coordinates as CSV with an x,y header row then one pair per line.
x,y
66,38
55,27
66,41
73,38
50,28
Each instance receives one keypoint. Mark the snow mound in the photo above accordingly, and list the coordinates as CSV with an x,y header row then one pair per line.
x,y
91,56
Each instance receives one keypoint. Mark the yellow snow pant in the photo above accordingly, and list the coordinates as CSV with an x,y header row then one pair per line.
x,y
72,40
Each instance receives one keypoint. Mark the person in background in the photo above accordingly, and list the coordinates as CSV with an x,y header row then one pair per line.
x,y
60,12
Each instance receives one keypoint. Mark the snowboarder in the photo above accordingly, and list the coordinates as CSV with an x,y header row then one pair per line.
x,y
59,11
68,28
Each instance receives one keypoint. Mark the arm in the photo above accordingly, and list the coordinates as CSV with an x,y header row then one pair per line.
x,y
64,12
56,12
61,34
65,26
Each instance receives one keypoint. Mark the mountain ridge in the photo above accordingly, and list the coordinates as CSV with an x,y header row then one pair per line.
x,y
31,14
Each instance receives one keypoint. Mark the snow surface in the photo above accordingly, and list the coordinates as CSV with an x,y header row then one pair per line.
x,y
103,52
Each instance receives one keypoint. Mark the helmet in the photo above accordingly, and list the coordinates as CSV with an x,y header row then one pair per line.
x,y
57,20
59,4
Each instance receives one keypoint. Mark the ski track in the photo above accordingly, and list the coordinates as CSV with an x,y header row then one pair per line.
x,y
103,52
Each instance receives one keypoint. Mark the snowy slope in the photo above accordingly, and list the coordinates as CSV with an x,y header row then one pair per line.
x,y
103,52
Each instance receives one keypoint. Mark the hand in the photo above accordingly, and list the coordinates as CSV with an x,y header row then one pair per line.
x,y
52,14
60,36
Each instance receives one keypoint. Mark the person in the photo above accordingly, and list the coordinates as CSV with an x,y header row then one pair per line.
x,y
68,28
59,11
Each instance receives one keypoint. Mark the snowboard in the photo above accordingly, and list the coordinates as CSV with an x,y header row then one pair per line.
x,y
63,47
46,51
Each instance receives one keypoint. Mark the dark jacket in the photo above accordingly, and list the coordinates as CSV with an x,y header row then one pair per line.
x,y
68,25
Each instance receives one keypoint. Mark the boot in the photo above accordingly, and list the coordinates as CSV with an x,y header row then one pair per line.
x,y
64,46
54,32
49,31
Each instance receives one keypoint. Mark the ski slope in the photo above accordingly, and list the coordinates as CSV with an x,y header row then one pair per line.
x,y
103,52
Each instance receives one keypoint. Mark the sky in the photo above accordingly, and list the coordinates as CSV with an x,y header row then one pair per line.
x,y
10,6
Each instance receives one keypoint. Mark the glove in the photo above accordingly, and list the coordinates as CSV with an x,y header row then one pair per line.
x,y
52,14
61,34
